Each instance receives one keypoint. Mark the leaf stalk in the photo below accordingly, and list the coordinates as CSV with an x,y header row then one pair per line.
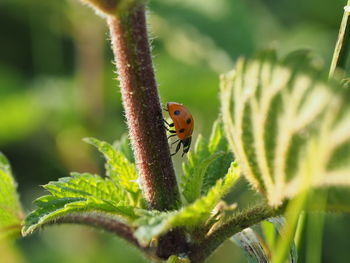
x,y
240,221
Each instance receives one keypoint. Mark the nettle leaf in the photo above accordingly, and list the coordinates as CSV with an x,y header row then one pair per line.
x,y
120,170
80,193
289,128
124,146
10,208
51,209
115,196
86,185
154,223
206,164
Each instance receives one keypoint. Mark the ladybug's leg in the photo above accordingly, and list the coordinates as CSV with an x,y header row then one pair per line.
x,y
167,123
171,131
167,128
187,144
172,135
174,142
177,148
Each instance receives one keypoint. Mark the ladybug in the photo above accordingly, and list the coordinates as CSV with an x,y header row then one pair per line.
x,y
183,123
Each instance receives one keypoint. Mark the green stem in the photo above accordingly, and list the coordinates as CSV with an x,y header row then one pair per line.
x,y
199,252
315,226
299,231
342,45
292,214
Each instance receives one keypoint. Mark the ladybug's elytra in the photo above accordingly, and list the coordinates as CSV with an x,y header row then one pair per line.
x,y
183,123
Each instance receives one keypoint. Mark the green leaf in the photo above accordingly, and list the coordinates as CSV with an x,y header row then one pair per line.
x,y
218,168
195,215
192,189
10,208
288,127
124,146
79,193
86,185
206,164
120,170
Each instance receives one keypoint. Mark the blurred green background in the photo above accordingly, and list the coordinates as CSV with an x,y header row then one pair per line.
x,y
57,85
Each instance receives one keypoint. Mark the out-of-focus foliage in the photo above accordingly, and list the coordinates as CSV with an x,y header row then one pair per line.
x,y
10,208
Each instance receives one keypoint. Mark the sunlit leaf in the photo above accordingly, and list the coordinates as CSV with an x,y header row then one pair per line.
x,y
86,185
10,208
288,127
124,146
122,172
115,196
80,193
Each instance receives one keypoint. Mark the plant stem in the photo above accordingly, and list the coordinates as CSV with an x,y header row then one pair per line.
x,y
342,46
142,108
252,216
102,222
144,118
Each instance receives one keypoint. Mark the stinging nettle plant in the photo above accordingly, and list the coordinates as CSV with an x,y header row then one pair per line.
x,y
283,126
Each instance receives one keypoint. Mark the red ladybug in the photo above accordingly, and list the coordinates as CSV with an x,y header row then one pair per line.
x,y
183,122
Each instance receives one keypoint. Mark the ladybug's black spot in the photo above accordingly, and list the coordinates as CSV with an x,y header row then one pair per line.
x,y
182,130
188,121
177,112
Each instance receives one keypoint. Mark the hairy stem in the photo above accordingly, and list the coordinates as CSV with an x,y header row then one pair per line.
x,y
102,222
142,108
199,252
144,118
342,46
